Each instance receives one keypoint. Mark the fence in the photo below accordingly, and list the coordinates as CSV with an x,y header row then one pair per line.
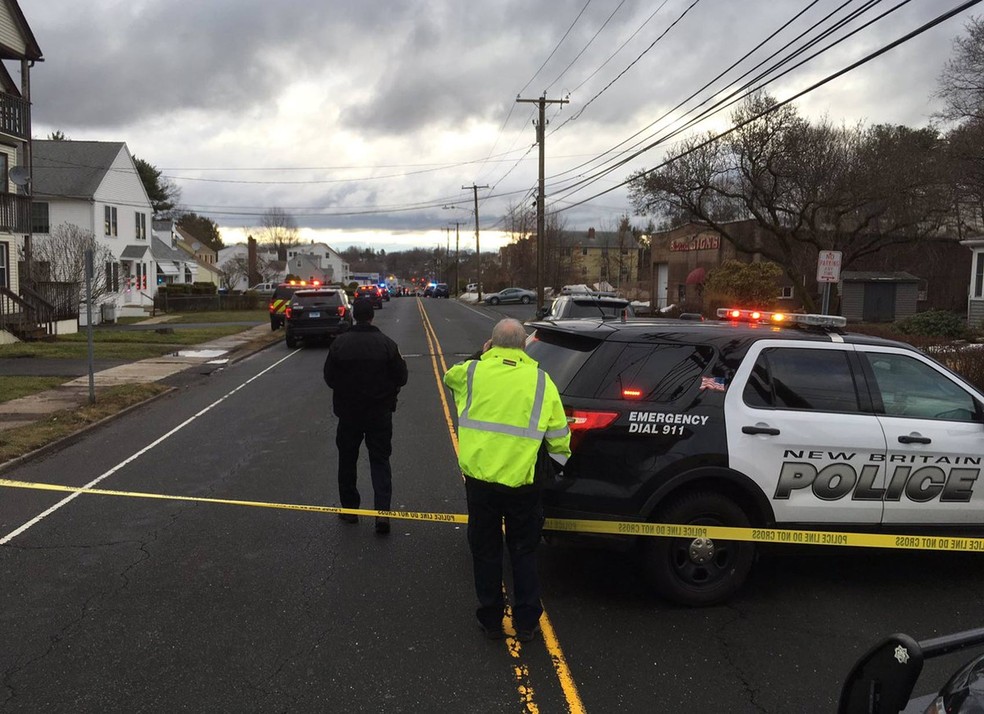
x,y
163,302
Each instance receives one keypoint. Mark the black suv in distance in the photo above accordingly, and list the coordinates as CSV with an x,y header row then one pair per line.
x,y
741,422
372,292
441,291
597,306
317,314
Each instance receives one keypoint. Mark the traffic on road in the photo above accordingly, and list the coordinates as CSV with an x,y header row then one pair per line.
x,y
186,556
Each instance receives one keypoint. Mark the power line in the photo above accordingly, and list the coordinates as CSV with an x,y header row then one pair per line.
x,y
826,80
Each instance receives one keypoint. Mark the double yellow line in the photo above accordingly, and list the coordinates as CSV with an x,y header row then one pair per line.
x,y
521,671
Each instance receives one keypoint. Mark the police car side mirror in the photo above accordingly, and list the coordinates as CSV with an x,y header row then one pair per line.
x,y
542,313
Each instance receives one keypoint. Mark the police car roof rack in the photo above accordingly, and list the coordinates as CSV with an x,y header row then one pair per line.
x,y
809,321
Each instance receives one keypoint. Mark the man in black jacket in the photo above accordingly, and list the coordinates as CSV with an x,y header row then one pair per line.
x,y
365,371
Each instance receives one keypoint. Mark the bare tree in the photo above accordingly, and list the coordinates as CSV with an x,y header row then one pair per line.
x,y
279,229
808,187
62,256
961,84
236,269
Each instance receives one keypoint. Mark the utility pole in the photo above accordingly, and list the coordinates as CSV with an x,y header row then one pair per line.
x,y
457,263
478,250
541,136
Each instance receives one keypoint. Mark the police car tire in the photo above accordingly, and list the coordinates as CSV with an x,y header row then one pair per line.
x,y
290,340
667,564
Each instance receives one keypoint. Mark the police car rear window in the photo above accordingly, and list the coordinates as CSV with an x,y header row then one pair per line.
x,y
595,308
803,379
332,299
651,372
560,354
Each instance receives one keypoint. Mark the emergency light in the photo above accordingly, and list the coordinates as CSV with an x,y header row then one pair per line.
x,y
778,318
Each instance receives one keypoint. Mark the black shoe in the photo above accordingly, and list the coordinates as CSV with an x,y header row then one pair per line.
x,y
382,525
492,633
527,635
348,517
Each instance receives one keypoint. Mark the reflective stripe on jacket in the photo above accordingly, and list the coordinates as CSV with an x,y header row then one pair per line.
x,y
507,406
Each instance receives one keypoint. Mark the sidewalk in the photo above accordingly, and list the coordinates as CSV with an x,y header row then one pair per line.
x,y
75,393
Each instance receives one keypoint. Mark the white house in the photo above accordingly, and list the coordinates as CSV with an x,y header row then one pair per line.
x,y
975,298
173,264
18,48
95,186
313,260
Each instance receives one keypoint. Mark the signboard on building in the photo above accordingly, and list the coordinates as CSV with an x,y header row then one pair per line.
x,y
829,266
702,241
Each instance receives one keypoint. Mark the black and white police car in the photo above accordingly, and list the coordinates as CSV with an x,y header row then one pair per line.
x,y
757,419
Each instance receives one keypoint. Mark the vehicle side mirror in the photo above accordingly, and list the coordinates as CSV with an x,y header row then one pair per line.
x,y
542,313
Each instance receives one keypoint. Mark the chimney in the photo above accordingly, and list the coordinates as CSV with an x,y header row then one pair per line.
x,y
591,234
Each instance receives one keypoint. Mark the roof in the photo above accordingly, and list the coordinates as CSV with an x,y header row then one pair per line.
x,y
133,252
72,169
162,251
32,51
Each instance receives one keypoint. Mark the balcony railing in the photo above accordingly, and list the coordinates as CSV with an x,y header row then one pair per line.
x,y
14,113
15,213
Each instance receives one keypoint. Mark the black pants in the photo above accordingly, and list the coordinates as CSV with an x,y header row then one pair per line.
x,y
377,430
522,510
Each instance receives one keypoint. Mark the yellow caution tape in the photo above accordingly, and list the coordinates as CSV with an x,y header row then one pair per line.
x,y
632,528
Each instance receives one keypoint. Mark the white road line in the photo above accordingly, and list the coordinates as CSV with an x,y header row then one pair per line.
x,y
92,484
478,312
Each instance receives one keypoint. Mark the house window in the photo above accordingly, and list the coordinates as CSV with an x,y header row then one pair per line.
x,y
4,265
141,220
979,276
109,214
39,218
584,251
682,292
786,293
113,277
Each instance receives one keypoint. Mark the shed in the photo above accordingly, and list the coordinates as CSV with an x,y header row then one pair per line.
x,y
877,296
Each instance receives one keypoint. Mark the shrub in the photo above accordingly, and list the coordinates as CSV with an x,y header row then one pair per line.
x,y
934,323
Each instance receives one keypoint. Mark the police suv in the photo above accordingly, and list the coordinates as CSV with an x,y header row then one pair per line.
x,y
756,420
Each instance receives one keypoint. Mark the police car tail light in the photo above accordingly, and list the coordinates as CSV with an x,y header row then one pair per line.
x,y
341,311
288,312
581,421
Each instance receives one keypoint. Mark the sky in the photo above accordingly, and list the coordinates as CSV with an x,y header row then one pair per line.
x,y
369,121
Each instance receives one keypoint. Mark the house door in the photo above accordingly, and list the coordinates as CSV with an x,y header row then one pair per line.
x,y
661,298
879,302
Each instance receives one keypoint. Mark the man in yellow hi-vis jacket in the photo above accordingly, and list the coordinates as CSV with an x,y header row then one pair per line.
x,y
507,409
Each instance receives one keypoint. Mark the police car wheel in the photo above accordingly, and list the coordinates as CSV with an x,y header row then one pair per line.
x,y
273,324
698,571
291,341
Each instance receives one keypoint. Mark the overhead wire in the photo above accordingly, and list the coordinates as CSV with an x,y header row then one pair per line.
x,y
724,102
813,87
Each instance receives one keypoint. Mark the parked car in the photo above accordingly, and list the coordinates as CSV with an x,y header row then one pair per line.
x,y
281,298
267,288
441,291
317,315
579,306
511,295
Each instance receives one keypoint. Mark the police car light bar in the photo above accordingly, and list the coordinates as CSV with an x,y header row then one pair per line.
x,y
780,318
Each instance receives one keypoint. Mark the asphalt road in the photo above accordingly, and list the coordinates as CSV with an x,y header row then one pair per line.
x,y
121,603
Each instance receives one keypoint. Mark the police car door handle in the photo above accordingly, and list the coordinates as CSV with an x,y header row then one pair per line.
x,y
914,439
760,430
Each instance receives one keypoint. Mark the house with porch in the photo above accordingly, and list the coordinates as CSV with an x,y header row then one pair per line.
x,y
94,186
975,296
24,310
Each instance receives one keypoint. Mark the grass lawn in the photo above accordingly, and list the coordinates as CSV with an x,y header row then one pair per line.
x,y
111,400
219,316
16,387
133,344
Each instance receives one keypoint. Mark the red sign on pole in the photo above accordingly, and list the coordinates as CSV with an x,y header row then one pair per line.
x,y
829,266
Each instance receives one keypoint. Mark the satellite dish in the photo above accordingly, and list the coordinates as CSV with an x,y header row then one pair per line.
x,y
20,175
196,245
